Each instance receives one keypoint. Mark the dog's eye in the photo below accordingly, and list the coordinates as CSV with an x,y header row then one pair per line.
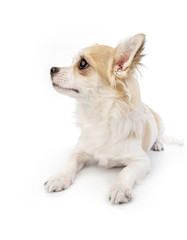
x,y
83,64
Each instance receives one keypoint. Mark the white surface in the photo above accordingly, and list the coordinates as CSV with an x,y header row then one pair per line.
x,y
38,129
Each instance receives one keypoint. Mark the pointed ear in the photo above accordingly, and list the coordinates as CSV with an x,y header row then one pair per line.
x,y
129,51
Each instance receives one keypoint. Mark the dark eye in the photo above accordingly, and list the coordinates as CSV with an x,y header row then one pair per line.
x,y
83,64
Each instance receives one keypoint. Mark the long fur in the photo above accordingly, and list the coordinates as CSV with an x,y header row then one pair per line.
x,y
117,129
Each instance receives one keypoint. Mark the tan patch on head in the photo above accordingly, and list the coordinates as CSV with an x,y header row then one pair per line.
x,y
103,60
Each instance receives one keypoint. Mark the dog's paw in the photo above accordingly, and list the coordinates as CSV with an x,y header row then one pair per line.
x,y
120,195
158,146
59,182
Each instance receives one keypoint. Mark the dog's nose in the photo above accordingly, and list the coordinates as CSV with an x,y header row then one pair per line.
x,y
54,70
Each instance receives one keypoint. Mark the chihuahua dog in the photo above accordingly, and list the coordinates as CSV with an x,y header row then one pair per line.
x,y
117,129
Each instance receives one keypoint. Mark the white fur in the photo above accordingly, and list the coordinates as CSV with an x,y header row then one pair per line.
x,y
106,123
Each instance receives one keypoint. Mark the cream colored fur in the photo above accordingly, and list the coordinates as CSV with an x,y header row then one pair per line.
x,y
117,129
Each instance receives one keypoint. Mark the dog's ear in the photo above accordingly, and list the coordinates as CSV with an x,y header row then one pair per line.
x,y
129,53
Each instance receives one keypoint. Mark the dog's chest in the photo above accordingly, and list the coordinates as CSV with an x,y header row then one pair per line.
x,y
106,138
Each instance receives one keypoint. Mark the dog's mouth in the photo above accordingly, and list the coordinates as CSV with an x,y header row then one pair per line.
x,y
66,89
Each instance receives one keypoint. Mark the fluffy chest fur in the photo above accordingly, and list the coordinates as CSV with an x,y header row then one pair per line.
x,y
110,132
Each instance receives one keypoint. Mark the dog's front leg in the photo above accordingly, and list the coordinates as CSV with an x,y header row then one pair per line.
x,y
136,169
64,179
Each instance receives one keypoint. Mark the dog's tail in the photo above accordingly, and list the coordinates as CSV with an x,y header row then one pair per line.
x,y
168,140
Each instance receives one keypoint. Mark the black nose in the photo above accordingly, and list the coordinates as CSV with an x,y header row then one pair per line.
x,y
54,70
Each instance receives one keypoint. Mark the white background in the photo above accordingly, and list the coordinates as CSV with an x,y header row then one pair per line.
x,y
37,129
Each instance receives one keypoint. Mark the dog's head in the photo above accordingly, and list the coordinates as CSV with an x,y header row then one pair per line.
x,y
102,72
